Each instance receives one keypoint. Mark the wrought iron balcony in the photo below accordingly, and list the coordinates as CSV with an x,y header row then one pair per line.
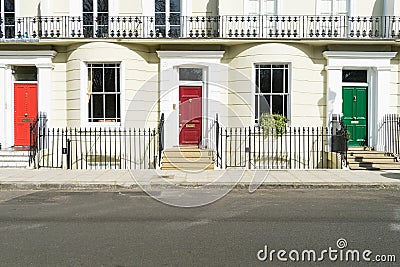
x,y
250,27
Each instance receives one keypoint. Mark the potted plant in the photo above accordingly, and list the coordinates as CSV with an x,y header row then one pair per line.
x,y
275,123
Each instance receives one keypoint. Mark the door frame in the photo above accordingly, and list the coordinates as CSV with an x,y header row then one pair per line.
x,y
367,105
379,69
215,77
13,107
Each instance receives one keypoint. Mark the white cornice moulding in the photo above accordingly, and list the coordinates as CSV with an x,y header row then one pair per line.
x,y
353,54
191,54
27,54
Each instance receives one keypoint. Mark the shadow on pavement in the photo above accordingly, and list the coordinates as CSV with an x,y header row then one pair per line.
x,y
391,175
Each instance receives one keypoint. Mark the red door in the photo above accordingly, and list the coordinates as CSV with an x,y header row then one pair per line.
x,y
190,118
25,112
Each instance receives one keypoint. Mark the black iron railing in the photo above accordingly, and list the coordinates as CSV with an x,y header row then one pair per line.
x,y
389,134
40,124
97,148
293,148
160,138
259,27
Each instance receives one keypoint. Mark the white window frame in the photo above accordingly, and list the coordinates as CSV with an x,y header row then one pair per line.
x,y
148,11
168,13
95,13
84,95
289,93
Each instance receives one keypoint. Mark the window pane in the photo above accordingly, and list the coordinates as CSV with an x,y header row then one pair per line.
x,y
97,80
87,19
160,5
98,105
161,30
359,76
265,85
111,106
118,80
265,104
9,19
256,107
102,5
175,19
23,73
88,31
87,5
277,104
286,81
175,5
102,19
257,80
285,105
118,106
9,6
160,19
190,74
277,81
109,77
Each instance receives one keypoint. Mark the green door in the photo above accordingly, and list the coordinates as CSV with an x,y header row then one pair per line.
x,y
355,114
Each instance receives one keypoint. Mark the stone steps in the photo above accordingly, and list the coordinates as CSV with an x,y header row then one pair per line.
x,y
187,158
359,159
14,158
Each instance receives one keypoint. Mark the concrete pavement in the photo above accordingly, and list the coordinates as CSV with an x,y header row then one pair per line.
x,y
53,178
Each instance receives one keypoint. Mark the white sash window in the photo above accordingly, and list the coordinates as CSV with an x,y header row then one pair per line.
x,y
7,15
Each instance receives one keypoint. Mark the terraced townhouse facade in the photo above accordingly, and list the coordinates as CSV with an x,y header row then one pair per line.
x,y
123,63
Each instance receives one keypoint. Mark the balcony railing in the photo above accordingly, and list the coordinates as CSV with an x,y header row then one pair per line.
x,y
255,27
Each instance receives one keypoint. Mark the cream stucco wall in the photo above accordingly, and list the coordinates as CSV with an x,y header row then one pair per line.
x,y
396,8
395,83
293,7
130,8
367,7
307,82
59,89
138,74
28,8
205,7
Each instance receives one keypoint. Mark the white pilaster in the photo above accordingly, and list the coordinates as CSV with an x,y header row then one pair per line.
x,y
383,96
44,90
383,80
334,93
9,107
2,105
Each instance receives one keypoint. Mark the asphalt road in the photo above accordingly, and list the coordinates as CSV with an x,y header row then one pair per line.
x,y
58,228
